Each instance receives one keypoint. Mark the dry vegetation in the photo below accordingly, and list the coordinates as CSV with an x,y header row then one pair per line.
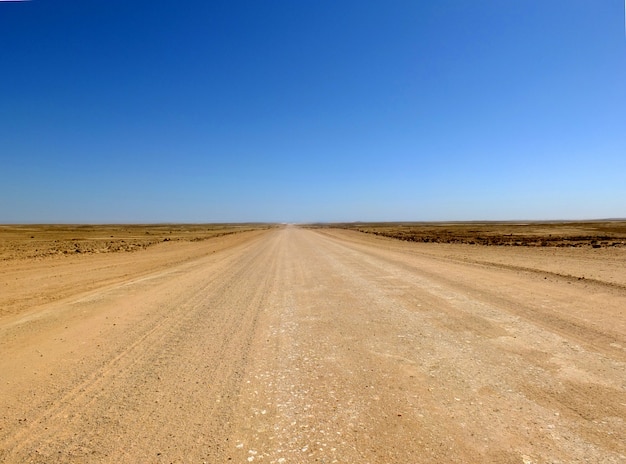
x,y
37,241
596,234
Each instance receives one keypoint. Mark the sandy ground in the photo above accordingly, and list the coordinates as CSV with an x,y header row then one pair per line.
x,y
293,346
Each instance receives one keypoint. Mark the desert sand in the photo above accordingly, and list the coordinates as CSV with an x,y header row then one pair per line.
x,y
295,345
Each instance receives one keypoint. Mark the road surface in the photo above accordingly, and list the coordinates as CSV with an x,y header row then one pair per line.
x,y
295,346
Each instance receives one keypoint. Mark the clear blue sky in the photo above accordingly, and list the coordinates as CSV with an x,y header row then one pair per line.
x,y
212,111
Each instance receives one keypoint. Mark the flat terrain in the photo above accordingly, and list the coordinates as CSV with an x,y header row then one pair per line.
x,y
291,345
38,241
595,234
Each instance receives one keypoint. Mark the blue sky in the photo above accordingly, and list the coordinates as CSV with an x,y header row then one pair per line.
x,y
296,111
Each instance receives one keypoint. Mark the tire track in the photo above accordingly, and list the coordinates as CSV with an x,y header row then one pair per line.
x,y
194,312
377,359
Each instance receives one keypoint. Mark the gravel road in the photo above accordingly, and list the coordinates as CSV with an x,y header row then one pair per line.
x,y
294,346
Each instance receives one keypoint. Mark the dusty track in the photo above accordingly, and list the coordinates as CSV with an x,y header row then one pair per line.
x,y
293,345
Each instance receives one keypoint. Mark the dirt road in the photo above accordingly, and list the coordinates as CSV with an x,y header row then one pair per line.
x,y
293,346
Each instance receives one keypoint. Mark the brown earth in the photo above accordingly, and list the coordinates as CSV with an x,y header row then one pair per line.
x,y
295,345
37,241
596,234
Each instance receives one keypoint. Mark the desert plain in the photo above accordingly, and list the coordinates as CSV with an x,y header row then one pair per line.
x,y
344,343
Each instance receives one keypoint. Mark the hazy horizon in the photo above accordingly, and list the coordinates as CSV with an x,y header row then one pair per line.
x,y
472,221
